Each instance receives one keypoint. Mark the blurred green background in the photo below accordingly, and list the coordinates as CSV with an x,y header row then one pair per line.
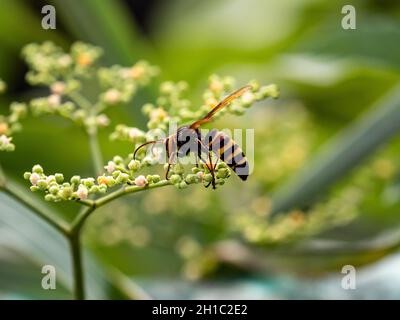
x,y
326,187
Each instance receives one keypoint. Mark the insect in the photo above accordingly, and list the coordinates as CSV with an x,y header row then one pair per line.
x,y
189,139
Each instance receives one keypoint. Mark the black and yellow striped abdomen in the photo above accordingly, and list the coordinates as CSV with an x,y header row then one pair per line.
x,y
228,151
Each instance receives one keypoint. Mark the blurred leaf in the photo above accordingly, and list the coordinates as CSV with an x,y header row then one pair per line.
x,y
19,25
106,24
27,236
348,149
375,40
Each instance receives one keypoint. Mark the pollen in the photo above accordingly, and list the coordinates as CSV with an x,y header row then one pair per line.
x,y
84,60
3,128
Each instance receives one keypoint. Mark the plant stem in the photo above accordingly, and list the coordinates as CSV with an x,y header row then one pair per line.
x,y
95,151
76,256
80,100
2,177
130,189
81,218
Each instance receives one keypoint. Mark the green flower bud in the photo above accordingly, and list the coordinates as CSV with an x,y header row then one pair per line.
x,y
178,169
255,85
42,184
34,188
49,197
37,169
208,177
196,169
116,174
51,178
59,177
220,181
223,173
237,109
10,147
134,165
271,90
182,185
27,175
103,189
65,193
221,165
111,181
3,86
156,178
88,182
175,178
147,108
191,178
76,180
149,178
147,161
122,178
94,189
118,160
54,189
152,124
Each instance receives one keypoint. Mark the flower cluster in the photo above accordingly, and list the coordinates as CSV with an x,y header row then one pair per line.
x,y
66,73
118,172
49,63
11,123
77,188
172,107
200,174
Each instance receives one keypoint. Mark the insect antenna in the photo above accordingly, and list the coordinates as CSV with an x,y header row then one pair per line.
x,y
143,145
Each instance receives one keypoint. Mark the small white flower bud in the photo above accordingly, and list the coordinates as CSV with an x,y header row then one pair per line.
x,y
54,100
58,88
134,133
64,61
102,120
140,181
34,178
50,178
110,167
4,140
82,192
112,96
248,98
200,175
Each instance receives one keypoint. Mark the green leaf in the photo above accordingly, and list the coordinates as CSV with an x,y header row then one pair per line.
x,y
27,243
341,154
106,24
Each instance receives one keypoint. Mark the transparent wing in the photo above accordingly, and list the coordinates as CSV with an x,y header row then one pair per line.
x,y
220,105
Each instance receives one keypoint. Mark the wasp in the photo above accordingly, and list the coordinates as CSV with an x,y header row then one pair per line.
x,y
188,138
